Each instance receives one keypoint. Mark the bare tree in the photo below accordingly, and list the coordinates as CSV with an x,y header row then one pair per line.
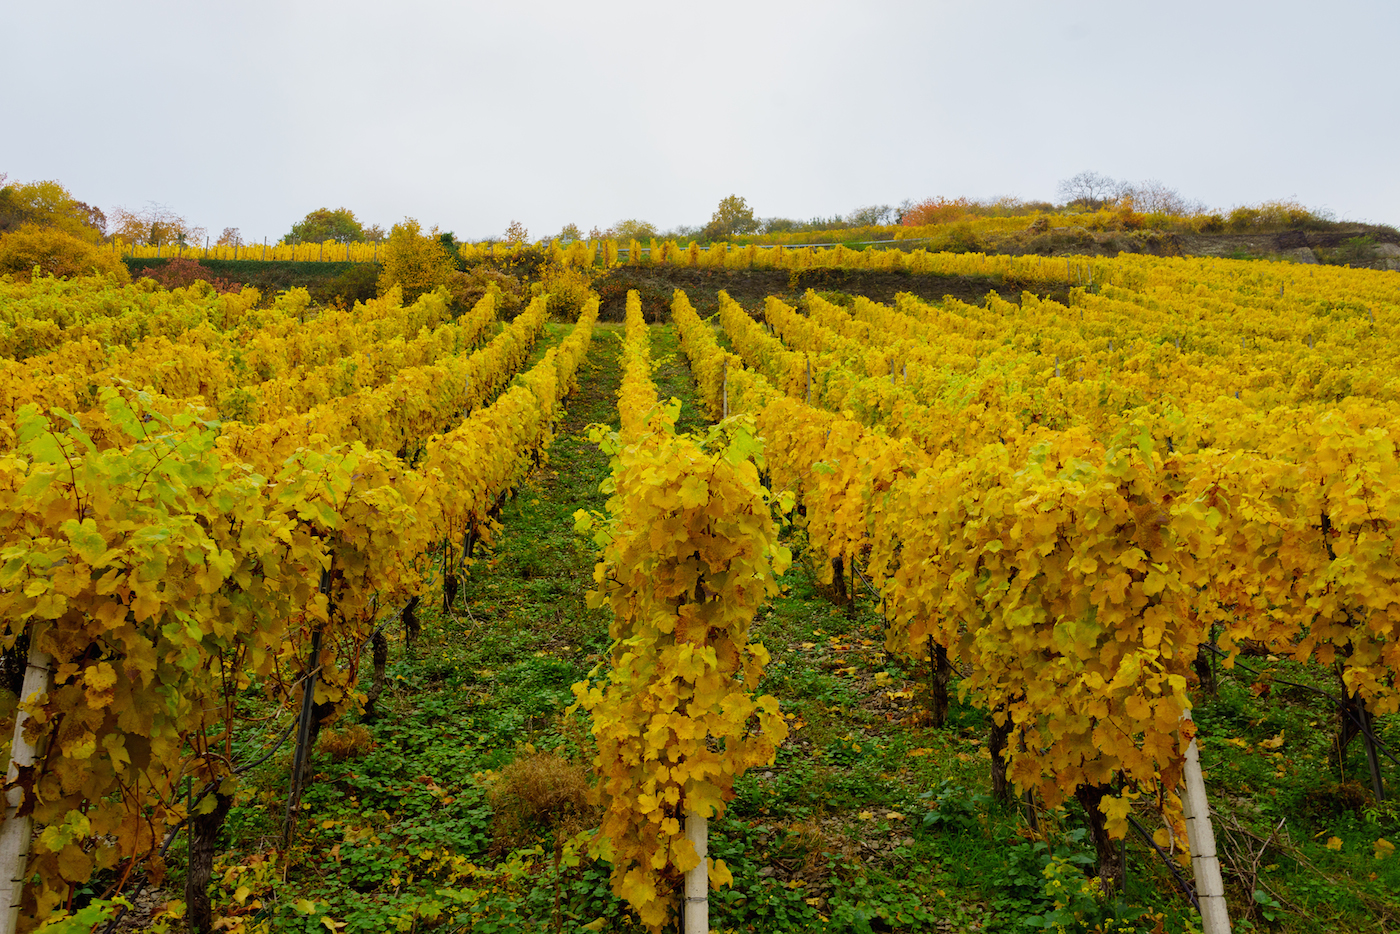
x,y
872,215
230,237
153,224
1155,197
1092,190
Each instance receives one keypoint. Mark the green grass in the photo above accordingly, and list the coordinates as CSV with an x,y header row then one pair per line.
x,y
869,820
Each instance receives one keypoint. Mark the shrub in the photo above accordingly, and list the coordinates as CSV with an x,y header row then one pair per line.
x,y
1272,214
1208,223
468,287
957,238
524,261
55,254
1357,252
568,287
359,283
1243,217
181,273
936,211
1128,218
612,291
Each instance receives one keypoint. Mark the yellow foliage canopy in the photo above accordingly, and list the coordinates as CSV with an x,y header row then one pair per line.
x,y
414,261
55,253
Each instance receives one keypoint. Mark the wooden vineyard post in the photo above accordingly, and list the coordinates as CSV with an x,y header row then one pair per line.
x,y
725,392
696,913
308,699
304,731
1205,863
16,831
1368,739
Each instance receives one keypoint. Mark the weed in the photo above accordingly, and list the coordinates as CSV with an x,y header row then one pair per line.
x,y
1357,252
348,742
954,808
541,791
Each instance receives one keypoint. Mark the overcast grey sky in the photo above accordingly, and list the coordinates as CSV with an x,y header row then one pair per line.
x,y
249,114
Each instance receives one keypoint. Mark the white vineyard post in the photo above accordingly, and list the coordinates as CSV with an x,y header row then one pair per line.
x,y
16,831
696,913
1205,863
725,391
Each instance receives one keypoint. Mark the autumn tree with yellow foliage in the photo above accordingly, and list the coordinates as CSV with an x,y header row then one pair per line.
x,y
414,261
54,252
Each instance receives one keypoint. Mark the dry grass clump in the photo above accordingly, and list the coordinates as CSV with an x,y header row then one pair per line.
x,y
816,842
541,791
350,742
